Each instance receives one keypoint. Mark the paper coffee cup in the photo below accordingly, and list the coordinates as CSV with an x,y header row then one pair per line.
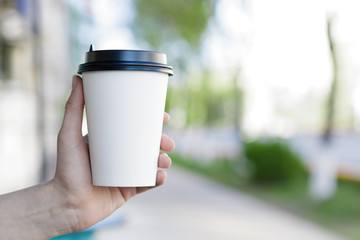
x,y
125,93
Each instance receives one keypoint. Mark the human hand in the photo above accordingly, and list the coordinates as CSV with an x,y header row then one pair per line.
x,y
88,204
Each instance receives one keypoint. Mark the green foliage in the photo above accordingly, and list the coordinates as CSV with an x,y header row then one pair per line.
x,y
177,28
204,103
172,26
208,106
159,21
272,160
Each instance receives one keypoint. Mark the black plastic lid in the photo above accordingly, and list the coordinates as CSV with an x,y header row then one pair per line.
x,y
135,60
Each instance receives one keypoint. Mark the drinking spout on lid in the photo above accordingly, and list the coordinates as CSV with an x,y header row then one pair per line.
x,y
91,48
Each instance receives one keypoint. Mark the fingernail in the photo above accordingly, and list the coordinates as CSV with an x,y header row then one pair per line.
x,y
167,115
74,82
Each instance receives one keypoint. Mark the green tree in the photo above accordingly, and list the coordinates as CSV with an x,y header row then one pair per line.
x,y
332,96
177,28
172,23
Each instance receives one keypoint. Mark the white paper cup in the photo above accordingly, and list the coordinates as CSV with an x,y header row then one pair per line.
x,y
124,109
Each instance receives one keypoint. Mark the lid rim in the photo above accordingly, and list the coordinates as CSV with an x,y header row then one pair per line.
x,y
87,67
145,60
126,63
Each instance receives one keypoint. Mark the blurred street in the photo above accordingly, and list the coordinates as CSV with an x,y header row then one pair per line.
x,y
191,207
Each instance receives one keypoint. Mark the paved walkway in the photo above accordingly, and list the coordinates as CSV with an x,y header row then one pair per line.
x,y
191,207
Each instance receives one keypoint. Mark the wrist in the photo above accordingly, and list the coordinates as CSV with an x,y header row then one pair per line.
x,y
39,212
62,210
51,213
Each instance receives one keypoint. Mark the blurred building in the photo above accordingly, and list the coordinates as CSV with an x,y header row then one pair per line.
x,y
34,80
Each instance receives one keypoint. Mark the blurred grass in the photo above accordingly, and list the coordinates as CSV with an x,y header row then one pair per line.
x,y
340,214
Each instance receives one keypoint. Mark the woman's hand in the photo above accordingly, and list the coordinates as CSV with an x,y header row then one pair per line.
x,y
72,181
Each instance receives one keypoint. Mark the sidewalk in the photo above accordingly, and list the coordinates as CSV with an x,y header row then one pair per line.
x,y
191,207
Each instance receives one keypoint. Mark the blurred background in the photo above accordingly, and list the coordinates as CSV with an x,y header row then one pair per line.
x,y
264,105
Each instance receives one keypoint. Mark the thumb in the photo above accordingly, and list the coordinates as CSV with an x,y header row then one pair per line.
x,y
74,109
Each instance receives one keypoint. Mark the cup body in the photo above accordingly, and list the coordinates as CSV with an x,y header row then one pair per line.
x,y
124,111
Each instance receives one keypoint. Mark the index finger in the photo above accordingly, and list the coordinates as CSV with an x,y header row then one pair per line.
x,y
166,117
